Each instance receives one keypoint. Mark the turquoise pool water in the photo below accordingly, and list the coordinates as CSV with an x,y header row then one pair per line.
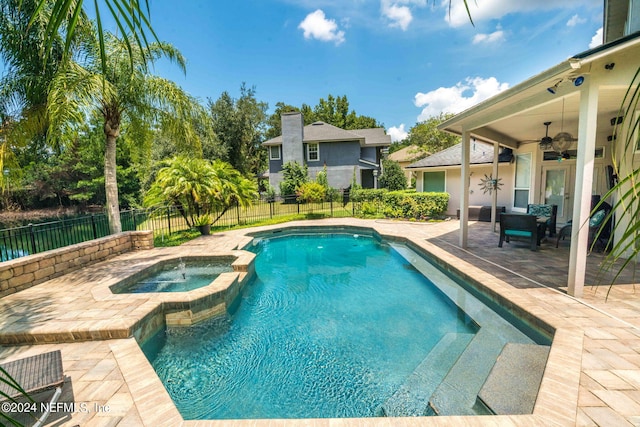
x,y
334,325
175,276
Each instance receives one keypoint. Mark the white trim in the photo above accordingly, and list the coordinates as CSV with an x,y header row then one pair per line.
x,y
279,151
317,145
367,162
515,176
435,171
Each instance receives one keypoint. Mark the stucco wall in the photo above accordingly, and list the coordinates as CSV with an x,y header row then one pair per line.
x,y
476,195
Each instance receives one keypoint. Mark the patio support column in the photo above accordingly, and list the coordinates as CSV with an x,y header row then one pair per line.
x,y
464,194
494,194
587,127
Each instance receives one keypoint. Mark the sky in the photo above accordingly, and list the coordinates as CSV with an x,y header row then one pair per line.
x,y
398,61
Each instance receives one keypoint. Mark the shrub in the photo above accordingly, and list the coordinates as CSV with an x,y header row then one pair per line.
x,y
293,176
393,177
311,192
400,204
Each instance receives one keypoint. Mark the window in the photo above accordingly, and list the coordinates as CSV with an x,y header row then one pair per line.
x,y
274,152
433,181
523,181
313,152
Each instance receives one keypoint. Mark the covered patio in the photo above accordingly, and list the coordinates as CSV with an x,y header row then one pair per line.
x,y
579,101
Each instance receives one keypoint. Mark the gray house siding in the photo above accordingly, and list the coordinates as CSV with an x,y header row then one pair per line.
x,y
338,153
275,165
370,154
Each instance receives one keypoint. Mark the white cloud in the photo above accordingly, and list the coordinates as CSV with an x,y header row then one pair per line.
x,y
575,20
317,26
457,98
495,37
494,9
397,133
400,16
399,12
597,39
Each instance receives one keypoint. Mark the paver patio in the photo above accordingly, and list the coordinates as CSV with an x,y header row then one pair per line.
x,y
598,346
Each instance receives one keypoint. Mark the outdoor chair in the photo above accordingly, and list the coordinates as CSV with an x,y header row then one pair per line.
x,y
548,211
519,226
35,374
599,228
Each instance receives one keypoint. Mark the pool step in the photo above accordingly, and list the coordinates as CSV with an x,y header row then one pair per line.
x,y
456,394
412,398
512,386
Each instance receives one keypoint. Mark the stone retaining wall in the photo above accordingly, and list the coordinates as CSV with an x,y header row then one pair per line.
x,y
25,272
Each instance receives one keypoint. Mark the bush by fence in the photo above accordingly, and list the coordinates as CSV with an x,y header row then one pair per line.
x,y
399,204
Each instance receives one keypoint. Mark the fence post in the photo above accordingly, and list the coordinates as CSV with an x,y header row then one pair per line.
x,y
238,212
133,215
169,218
93,226
331,206
33,239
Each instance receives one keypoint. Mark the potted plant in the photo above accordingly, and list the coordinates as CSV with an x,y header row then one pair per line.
x,y
203,224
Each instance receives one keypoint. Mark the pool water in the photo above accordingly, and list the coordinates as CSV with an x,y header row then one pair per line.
x,y
332,326
177,276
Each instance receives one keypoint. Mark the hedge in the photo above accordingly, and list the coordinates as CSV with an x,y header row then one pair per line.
x,y
399,204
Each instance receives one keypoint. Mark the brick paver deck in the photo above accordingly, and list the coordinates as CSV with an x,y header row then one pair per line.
x,y
592,377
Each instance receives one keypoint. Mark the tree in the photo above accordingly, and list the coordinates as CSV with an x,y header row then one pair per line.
x,y
239,125
25,82
333,110
293,176
122,93
274,122
393,177
427,136
131,17
200,187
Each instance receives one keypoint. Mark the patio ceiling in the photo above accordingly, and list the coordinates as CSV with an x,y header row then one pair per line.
x,y
517,115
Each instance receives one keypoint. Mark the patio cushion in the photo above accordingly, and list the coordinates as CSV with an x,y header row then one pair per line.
x,y
517,233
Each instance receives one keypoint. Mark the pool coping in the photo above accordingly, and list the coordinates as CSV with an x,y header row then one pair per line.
x,y
557,402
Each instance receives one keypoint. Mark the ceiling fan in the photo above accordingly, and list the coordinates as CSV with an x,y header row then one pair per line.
x,y
562,141
546,141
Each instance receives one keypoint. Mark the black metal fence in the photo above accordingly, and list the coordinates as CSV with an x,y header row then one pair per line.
x,y
34,238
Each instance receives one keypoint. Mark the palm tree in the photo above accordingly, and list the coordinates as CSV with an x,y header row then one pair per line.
x,y
24,84
626,191
124,91
233,189
200,187
185,182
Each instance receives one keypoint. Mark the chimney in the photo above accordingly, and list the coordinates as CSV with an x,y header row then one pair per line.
x,y
292,133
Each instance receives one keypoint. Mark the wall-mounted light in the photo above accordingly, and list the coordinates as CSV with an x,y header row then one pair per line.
x,y
611,138
553,89
609,66
616,120
578,81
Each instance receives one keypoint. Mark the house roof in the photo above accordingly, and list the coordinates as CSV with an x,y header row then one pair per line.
x,y
481,153
408,154
324,132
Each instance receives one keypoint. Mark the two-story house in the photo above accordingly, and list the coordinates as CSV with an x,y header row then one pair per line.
x,y
345,153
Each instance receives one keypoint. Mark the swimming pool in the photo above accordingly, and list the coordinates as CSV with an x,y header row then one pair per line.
x,y
334,325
